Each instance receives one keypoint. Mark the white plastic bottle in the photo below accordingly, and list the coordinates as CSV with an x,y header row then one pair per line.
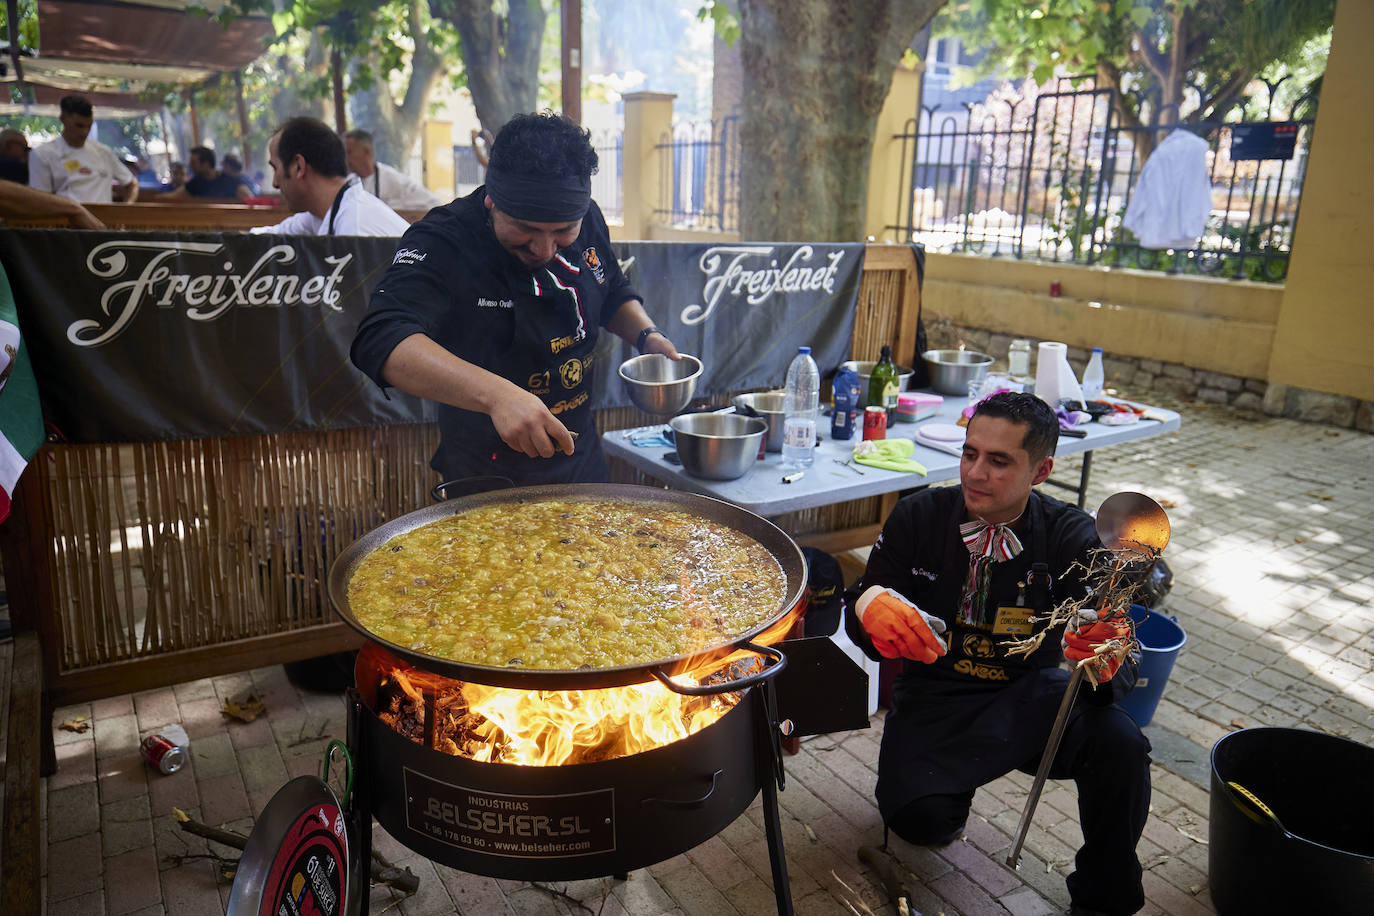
x,y
801,405
1093,376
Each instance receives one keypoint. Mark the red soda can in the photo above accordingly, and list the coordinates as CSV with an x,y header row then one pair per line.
x,y
162,754
875,423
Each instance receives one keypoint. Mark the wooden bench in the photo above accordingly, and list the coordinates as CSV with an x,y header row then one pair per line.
x,y
170,216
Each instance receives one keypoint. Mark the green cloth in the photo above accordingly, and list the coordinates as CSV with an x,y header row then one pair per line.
x,y
891,455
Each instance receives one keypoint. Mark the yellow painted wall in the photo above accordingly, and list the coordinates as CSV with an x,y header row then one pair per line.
x,y
1325,339
436,153
891,157
1221,325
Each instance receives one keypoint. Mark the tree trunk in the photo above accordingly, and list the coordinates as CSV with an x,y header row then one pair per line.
x,y
289,102
395,127
500,54
816,74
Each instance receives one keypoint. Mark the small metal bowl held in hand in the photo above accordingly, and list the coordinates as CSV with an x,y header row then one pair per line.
x,y
718,446
659,385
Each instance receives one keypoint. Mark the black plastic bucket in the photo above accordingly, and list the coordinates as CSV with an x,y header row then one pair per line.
x,y
1291,824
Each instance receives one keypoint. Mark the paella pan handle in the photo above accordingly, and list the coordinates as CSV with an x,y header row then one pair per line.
x,y
774,662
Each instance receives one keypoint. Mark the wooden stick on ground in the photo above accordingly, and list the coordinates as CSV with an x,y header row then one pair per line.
x,y
402,879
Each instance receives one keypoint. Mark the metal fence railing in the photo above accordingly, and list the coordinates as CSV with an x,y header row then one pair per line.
x,y
468,173
699,176
607,181
1050,177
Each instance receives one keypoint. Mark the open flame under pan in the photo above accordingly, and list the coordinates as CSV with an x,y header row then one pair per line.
x,y
773,539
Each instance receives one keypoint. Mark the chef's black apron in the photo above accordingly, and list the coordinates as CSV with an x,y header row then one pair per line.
x,y
548,345
948,734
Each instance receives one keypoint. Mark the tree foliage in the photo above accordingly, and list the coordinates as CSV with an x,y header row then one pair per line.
x,y
398,51
1156,49
816,74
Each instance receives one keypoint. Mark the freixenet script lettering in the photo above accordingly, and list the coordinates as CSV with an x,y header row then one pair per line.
x,y
205,296
742,269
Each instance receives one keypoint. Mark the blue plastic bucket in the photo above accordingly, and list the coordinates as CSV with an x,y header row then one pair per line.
x,y
1161,638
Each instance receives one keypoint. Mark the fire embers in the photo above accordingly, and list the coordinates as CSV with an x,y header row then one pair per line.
x,y
544,727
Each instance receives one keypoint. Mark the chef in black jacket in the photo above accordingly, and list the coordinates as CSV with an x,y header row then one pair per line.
x,y
491,308
975,563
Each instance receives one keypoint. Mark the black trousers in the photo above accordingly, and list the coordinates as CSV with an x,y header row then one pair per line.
x,y
1104,752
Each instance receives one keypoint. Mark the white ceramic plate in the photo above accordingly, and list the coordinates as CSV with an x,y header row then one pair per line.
x,y
942,432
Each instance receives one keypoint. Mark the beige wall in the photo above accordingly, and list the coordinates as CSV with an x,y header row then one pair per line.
x,y
1221,325
1325,339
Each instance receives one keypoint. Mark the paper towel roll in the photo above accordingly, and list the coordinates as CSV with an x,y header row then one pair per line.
x,y
1054,378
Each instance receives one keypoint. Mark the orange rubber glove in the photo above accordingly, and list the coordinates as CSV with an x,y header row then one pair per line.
x,y
899,628
1086,635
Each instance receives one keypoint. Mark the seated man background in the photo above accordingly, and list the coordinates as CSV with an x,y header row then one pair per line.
x,y
398,190
311,171
208,181
233,167
977,562
176,177
14,156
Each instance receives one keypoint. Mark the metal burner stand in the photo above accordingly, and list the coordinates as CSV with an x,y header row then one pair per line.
x,y
727,797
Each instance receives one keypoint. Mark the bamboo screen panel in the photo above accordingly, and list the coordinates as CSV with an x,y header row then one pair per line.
x,y
162,546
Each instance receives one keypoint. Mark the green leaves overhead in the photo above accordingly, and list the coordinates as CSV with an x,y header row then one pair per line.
x,y
1224,44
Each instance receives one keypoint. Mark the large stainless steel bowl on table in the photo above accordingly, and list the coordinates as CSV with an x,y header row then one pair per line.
x,y
717,446
952,370
773,539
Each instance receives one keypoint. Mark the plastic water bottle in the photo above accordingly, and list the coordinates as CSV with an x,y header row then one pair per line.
x,y
847,404
1093,376
800,405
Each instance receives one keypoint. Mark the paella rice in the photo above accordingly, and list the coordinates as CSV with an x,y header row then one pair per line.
x,y
565,584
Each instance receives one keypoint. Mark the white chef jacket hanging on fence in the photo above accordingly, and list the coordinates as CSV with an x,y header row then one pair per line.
x,y
1173,197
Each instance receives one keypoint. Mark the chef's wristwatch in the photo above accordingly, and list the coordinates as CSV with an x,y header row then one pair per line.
x,y
644,336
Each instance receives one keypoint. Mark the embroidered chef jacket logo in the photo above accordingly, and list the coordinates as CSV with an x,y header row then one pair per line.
x,y
571,373
593,261
976,645
409,256
496,303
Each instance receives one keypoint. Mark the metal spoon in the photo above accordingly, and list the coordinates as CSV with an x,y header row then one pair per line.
x,y
1133,527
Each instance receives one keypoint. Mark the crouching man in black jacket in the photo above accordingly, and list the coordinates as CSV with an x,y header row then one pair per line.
x,y
976,563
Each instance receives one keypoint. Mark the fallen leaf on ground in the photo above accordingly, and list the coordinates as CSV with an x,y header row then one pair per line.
x,y
1299,540
1168,503
80,725
1238,722
245,708
181,817
1332,432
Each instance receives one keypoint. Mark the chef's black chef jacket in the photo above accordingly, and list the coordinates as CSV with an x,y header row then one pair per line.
x,y
453,282
977,711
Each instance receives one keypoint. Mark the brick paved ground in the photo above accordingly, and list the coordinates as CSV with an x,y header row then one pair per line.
x,y
1273,523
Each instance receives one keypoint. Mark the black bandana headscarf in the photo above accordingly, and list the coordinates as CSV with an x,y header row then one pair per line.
x,y
539,200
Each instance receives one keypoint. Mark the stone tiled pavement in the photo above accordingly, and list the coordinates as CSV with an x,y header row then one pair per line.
x,y
1274,574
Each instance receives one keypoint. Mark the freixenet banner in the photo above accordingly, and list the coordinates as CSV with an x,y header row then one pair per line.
x,y
744,308
140,336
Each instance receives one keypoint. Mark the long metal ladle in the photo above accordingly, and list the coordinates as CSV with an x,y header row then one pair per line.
x,y
1133,527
